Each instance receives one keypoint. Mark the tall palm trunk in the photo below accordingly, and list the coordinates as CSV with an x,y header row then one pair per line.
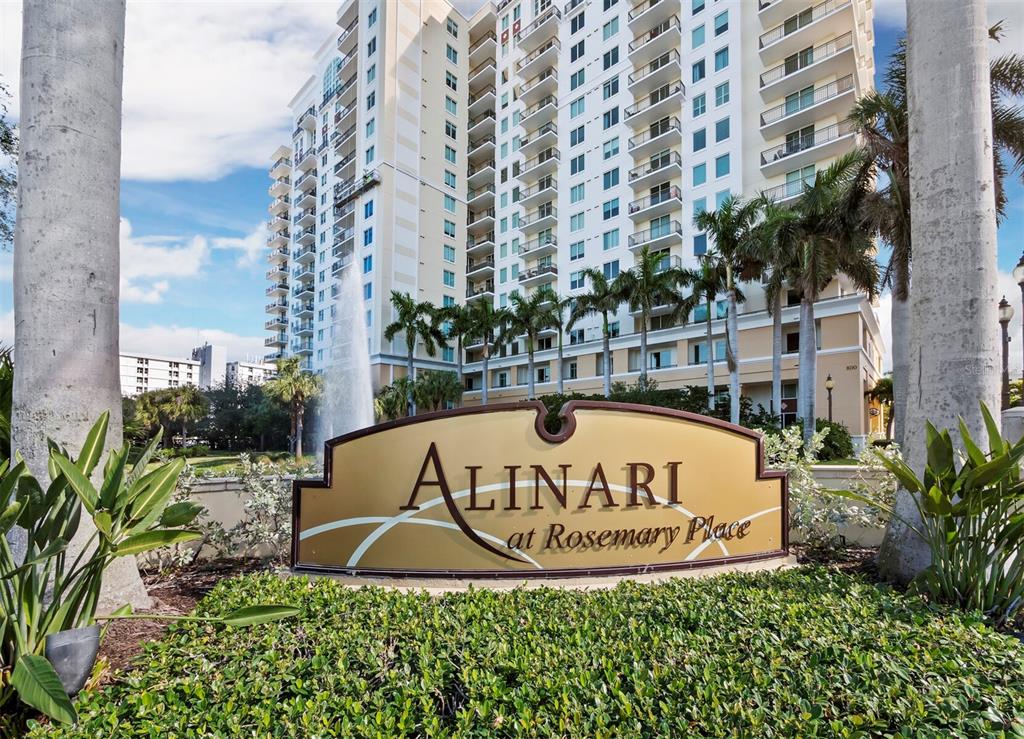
x,y
808,366
487,374
955,345
900,321
530,386
777,356
711,362
300,411
561,364
643,347
458,367
66,256
606,347
732,348
410,399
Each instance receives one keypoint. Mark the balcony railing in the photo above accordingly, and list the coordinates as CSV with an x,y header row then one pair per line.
x,y
489,113
303,251
282,181
276,305
345,191
532,83
545,211
474,290
342,113
652,234
658,163
347,33
547,128
488,62
546,46
480,142
339,136
544,17
480,168
805,59
489,90
540,242
544,156
572,5
544,269
642,8
344,163
662,93
664,196
804,101
667,59
664,27
475,241
801,143
474,194
473,265
802,20
283,161
489,36
479,215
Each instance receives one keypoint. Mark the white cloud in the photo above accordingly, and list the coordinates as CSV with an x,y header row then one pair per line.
x,y
891,12
206,85
251,247
147,262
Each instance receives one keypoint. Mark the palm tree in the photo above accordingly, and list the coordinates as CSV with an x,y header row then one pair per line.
x,y
882,392
731,226
66,241
770,253
651,281
561,310
528,316
185,404
295,387
829,240
435,388
705,283
486,323
603,299
457,325
881,119
417,322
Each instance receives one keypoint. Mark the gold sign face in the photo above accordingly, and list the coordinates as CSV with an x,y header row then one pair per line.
x,y
487,492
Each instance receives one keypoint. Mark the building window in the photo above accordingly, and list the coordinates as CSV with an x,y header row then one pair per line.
x,y
371,100
722,165
449,203
371,47
700,139
449,228
450,130
368,209
371,73
371,18
610,208
697,37
367,291
576,250
577,79
722,94
451,53
450,105
721,23
576,136
611,148
576,194
576,280
576,222
610,87
700,174
451,81
453,28
698,71
449,278
576,24
576,51
576,164
721,59
449,179
576,107
699,206
610,178
367,236
722,130
610,269
367,264
699,105
610,118
610,239
371,126
610,58
700,245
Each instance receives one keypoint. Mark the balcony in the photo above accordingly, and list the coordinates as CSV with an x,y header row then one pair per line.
x,y
307,120
486,290
304,254
661,167
342,212
544,217
649,46
543,164
829,18
651,12
481,75
277,288
344,141
351,189
663,70
544,137
305,218
303,309
481,101
278,339
281,168
480,244
277,273
543,27
280,186
278,306
833,99
661,236
306,182
483,267
341,118
273,357
481,124
279,206
541,246
306,236
304,272
339,264
305,160
483,47
345,168
542,191
539,87
664,101
544,56
278,323
481,197
347,39
658,204
539,114
343,237
800,150
802,69
278,255
482,148
538,275
302,348
571,6
303,291
278,223
770,12
480,174
305,200
279,239
480,220
302,328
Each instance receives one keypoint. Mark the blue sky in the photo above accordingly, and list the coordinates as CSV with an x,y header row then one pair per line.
x,y
206,94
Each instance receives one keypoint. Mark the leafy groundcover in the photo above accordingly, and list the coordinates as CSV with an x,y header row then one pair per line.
x,y
801,652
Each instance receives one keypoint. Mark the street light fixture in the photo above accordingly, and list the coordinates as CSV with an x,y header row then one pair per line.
x,y
1005,314
829,385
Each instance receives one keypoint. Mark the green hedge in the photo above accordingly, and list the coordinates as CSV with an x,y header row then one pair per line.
x,y
801,652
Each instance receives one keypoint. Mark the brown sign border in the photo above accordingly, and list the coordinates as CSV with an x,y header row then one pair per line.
x,y
567,414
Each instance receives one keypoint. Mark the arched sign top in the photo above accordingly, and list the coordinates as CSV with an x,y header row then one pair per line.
x,y
489,492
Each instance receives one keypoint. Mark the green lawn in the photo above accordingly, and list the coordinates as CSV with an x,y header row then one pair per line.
x,y
225,464
801,652
842,461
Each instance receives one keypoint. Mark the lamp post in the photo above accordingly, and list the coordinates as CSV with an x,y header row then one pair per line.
x,y
1018,275
1005,314
829,385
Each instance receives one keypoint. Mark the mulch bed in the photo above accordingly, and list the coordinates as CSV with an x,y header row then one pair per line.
x,y
178,592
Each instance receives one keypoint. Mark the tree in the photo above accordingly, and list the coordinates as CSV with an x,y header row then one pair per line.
x,y
882,394
829,241
391,401
66,244
183,405
416,322
705,283
296,387
434,389
528,317
652,281
8,177
486,322
731,226
458,323
602,299
560,312
955,347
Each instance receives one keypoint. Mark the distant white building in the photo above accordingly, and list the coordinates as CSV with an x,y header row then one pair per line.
x,y
212,365
249,373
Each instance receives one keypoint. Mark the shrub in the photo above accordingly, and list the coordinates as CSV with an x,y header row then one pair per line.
x,y
804,652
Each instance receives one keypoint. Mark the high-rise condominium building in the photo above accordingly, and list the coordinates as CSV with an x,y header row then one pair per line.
x,y
514,150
